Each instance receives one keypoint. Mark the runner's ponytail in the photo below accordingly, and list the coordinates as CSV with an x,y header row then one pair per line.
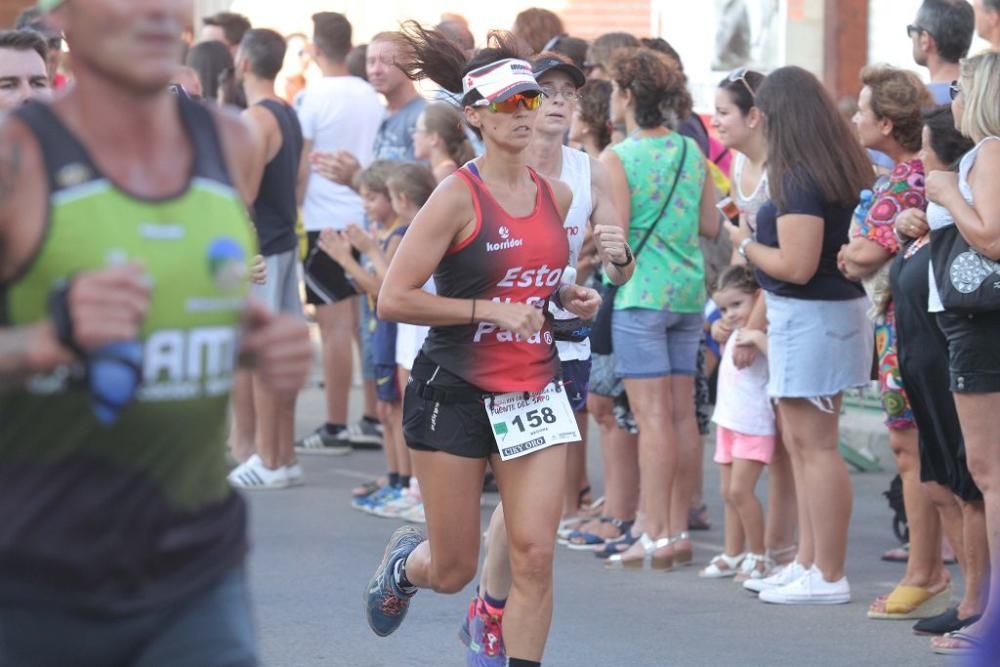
x,y
433,56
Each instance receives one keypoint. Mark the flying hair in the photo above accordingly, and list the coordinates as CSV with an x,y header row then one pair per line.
x,y
433,56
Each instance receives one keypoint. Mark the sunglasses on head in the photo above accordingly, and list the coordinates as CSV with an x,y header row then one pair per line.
x,y
954,89
531,100
741,76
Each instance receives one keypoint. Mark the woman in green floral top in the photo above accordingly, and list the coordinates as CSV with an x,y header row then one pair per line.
x,y
657,322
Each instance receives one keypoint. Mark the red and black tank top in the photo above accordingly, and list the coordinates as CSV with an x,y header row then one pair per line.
x,y
507,259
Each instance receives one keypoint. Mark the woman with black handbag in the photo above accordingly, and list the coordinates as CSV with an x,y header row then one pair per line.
x,y
664,191
965,248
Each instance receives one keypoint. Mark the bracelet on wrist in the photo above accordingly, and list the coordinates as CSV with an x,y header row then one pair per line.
x,y
628,258
62,319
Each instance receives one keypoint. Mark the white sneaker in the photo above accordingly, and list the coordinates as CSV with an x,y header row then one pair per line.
x,y
253,474
782,577
810,588
295,474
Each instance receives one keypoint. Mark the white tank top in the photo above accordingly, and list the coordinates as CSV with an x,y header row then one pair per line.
x,y
576,174
752,203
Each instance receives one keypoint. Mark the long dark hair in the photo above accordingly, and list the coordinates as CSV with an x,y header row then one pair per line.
x,y
808,141
433,56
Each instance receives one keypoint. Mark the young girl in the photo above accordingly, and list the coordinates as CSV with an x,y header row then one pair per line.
x,y
378,249
439,137
744,431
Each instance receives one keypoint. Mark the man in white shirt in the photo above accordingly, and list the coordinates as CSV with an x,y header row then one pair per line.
x,y
338,113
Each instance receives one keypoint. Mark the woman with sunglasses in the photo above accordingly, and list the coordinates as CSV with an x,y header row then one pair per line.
x,y
739,124
663,191
973,212
493,237
820,337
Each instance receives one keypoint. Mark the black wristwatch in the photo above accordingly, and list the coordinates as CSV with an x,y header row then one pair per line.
x,y
62,320
628,258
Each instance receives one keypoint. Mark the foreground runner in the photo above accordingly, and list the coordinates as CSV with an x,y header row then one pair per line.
x,y
123,543
592,204
492,235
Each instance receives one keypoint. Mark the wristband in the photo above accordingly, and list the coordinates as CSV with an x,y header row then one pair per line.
x,y
628,258
557,300
62,319
742,249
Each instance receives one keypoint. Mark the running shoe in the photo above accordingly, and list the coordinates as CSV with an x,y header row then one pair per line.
x,y
324,441
385,604
485,648
373,503
810,588
253,474
394,508
366,434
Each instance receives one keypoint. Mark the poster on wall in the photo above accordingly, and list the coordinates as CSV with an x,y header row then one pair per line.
x,y
748,34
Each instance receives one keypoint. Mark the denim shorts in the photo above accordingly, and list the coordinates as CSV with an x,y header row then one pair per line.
x,y
656,343
818,349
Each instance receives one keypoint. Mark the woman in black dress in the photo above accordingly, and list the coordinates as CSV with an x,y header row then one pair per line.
x,y
923,359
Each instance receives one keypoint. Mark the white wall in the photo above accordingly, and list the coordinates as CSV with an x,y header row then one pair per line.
x,y
887,39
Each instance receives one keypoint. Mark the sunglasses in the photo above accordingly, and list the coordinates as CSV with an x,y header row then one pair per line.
x,y
954,89
741,76
912,30
531,100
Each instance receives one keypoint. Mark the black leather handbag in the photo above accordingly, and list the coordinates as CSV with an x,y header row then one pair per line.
x,y
967,281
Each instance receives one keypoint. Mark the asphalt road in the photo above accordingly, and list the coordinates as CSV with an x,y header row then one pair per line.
x,y
313,555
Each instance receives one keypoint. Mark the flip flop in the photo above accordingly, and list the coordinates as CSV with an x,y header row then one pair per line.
x,y
944,623
972,644
912,602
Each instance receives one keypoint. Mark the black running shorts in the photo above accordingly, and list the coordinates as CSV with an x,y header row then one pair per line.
x,y
458,427
325,280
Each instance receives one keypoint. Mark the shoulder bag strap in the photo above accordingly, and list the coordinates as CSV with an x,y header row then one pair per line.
x,y
666,203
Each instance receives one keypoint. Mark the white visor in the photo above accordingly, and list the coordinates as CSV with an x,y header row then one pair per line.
x,y
498,81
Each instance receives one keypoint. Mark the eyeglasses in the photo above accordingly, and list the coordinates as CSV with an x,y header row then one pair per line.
x,y
954,89
531,100
912,30
741,76
568,94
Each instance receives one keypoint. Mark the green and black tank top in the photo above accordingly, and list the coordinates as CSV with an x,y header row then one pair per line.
x,y
123,514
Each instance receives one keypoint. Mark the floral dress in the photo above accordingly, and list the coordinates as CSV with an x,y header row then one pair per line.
x,y
903,190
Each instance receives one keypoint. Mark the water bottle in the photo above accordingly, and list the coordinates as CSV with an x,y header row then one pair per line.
x,y
864,205
114,372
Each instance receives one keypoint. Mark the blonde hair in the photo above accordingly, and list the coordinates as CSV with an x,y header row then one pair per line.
x,y
981,90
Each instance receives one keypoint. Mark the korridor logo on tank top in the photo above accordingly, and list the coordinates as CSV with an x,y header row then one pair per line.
x,y
506,243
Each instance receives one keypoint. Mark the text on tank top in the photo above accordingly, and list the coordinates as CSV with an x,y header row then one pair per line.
x,y
145,514
507,259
